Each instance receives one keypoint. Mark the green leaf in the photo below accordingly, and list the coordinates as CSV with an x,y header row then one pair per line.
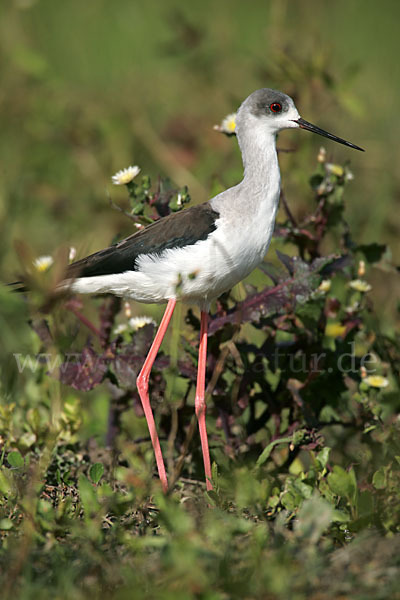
x,y
343,483
372,252
323,457
291,501
379,479
316,180
6,524
5,484
96,471
88,496
340,516
15,459
58,477
65,478
213,497
303,488
314,517
27,440
268,449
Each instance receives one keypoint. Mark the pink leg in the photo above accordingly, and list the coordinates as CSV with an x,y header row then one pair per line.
x,y
200,404
142,383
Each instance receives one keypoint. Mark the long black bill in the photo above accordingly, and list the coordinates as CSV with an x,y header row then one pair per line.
x,y
310,127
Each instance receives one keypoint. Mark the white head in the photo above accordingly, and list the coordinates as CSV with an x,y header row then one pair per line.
x,y
265,112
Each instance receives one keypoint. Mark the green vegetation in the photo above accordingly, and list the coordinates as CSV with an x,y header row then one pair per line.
x,y
303,396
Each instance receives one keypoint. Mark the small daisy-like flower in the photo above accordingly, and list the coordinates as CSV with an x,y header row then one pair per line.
x,y
136,323
324,286
125,175
228,125
360,285
120,329
352,308
376,381
43,263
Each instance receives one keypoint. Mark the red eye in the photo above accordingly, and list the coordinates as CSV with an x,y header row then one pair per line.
x,y
276,107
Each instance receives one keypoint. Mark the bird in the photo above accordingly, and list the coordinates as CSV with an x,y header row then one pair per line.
x,y
199,253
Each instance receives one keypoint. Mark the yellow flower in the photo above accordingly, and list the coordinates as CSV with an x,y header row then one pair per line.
x,y
360,285
125,175
377,381
335,329
43,263
228,125
334,169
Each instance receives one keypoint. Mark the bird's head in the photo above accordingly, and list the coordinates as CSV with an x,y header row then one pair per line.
x,y
271,111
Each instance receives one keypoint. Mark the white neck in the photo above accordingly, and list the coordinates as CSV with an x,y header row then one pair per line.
x,y
260,162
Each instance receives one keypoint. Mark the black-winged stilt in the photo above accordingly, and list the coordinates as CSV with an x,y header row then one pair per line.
x,y
199,253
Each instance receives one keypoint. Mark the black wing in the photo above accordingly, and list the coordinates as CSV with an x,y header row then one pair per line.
x,y
174,231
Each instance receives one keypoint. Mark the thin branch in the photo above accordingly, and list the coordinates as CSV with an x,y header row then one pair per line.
x,y
287,210
83,319
185,446
124,212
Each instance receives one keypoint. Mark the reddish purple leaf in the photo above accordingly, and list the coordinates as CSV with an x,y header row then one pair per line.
x,y
282,297
85,371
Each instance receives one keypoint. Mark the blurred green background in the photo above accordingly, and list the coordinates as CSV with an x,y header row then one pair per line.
x,y
89,88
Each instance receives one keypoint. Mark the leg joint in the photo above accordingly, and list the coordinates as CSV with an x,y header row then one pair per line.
x,y
200,407
142,382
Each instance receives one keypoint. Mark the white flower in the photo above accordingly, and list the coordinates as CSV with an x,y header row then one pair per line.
x,y
136,323
43,263
324,286
127,309
72,253
360,285
125,175
376,381
120,329
321,155
228,125
133,324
